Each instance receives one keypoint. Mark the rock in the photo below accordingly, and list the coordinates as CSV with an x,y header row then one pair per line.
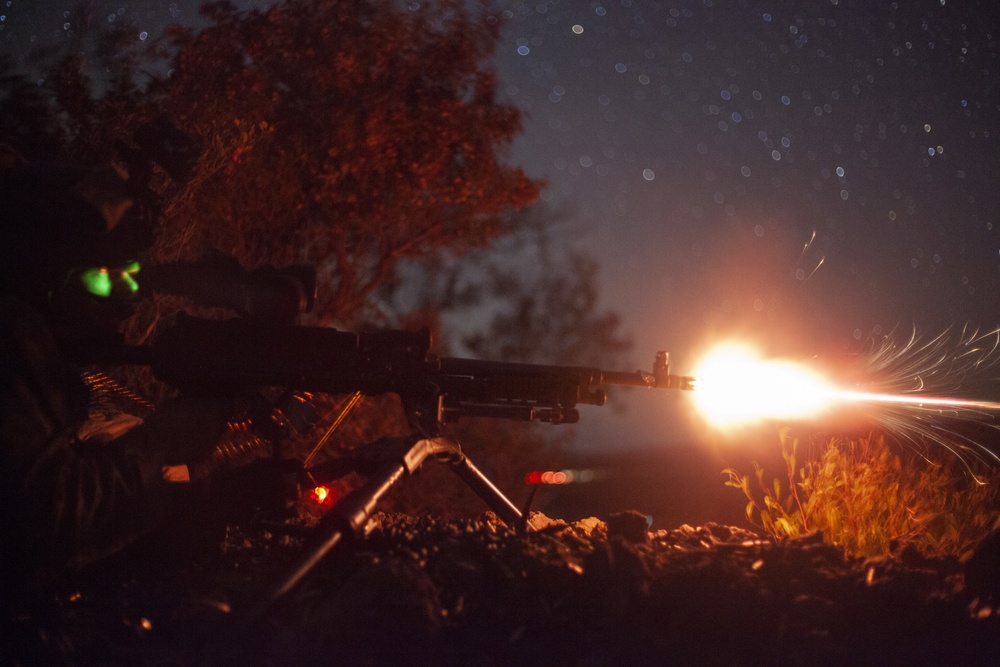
x,y
629,525
589,525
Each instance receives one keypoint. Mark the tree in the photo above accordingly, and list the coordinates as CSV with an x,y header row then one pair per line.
x,y
530,297
348,135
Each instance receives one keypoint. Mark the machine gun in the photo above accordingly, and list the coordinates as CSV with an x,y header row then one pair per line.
x,y
239,354
434,391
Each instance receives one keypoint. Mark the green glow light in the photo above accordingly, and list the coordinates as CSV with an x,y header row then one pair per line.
x,y
130,283
101,282
97,281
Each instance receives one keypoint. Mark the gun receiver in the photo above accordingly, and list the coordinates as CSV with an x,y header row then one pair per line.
x,y
525,392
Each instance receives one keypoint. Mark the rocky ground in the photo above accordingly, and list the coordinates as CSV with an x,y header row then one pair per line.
x,y
474,592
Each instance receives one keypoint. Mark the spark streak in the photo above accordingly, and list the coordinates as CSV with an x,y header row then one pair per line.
x,y
800,273
918,401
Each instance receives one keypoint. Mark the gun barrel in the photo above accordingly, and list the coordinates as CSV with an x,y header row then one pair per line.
x,y
504,383
660,378
644,379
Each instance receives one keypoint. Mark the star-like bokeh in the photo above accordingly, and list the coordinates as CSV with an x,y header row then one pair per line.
x,y
702,146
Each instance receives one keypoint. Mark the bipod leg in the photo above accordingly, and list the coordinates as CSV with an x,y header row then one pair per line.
x,y
387,461
347,517
485,489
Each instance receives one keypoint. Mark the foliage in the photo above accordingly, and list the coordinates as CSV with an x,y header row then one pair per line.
x,y
349,135
354,134
869,500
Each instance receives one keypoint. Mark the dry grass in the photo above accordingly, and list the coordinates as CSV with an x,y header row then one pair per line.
x,y
869,499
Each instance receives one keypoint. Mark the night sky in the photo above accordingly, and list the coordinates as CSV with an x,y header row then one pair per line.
x,y
805,175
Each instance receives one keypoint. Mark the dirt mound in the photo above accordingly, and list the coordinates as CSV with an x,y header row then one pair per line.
x,y
429,591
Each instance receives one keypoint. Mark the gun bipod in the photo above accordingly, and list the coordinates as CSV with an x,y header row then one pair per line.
x,y
384,463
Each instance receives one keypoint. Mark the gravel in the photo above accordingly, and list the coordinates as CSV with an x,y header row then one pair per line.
x,y
424,590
